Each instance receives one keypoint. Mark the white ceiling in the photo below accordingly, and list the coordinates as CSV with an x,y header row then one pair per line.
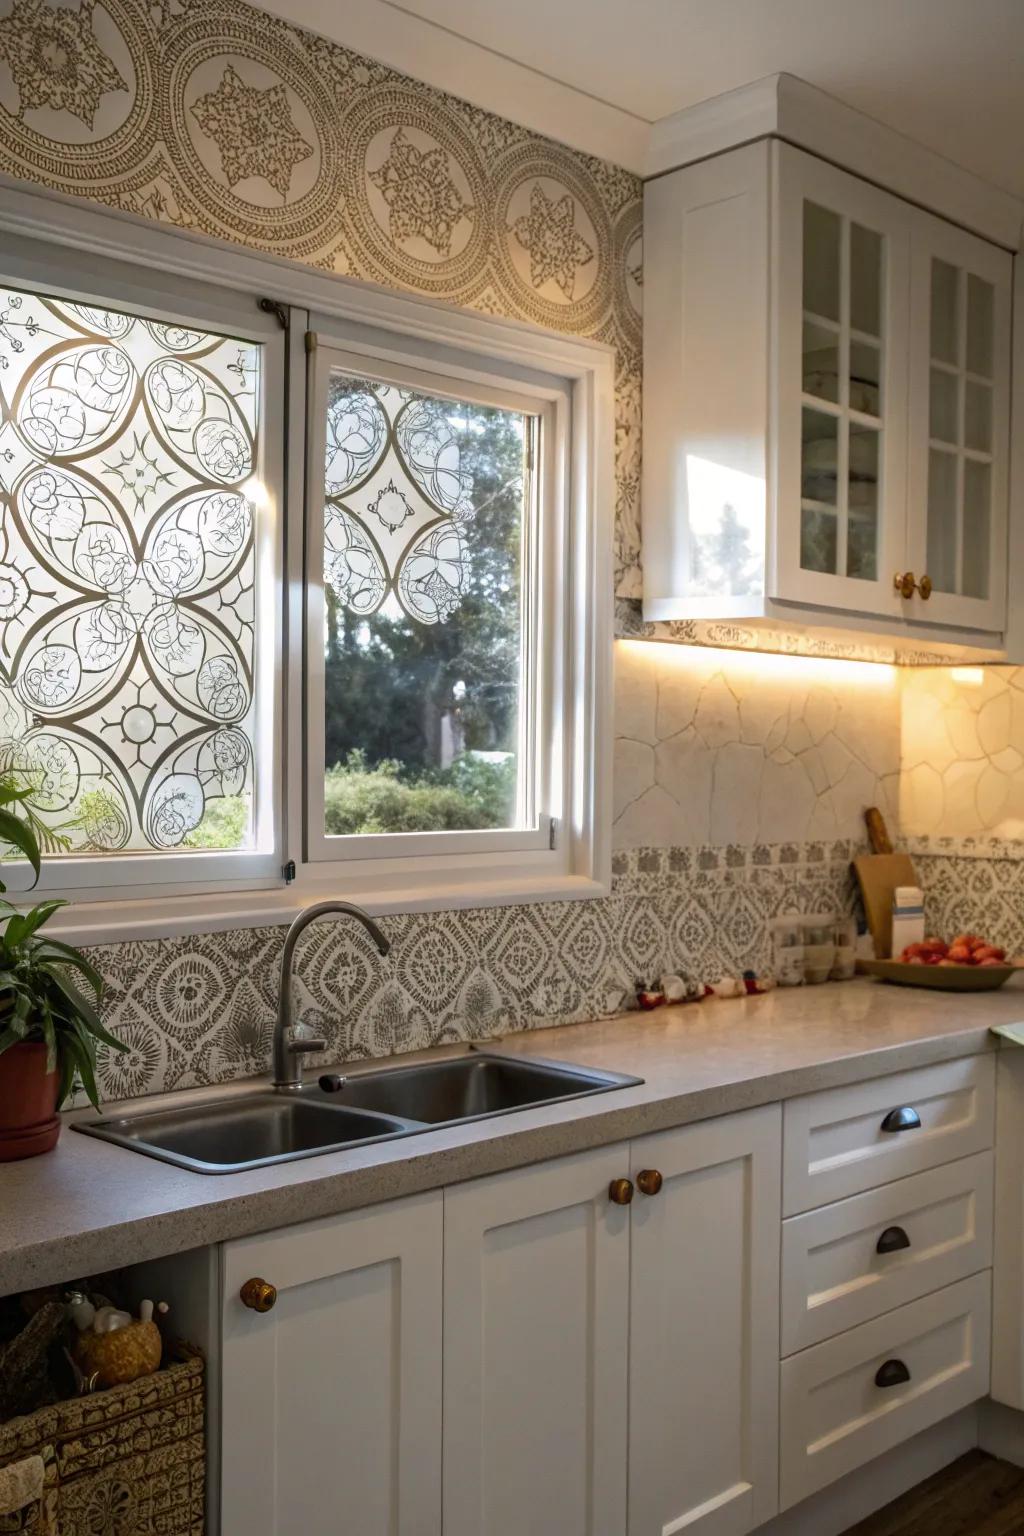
x,y
950,73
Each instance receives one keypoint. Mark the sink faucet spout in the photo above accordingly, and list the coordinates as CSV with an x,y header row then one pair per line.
x,y
288,1053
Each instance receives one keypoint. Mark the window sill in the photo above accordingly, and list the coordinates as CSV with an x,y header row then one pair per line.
x,y
167,917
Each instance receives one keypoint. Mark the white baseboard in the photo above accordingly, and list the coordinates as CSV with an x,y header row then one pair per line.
x,y
1001,1431
860,1493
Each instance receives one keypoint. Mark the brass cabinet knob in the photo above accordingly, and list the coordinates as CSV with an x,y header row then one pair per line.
x,y
620,1191
905,584
258,1295
649,1181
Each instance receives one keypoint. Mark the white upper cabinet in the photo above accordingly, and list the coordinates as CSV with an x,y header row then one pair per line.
x,y
841,326
826,403
959,423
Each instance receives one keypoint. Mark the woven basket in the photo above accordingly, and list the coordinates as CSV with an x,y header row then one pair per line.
x,y
126,1462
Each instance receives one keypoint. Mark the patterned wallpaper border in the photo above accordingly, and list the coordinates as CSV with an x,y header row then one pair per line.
x,y
217,117
199,1010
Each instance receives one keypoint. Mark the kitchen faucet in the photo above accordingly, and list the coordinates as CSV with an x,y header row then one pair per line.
x,y
288,1053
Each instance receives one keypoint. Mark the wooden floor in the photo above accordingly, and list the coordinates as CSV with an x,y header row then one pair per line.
x,y
976,1496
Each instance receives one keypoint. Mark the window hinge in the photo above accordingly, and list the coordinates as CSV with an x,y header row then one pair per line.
x,y
552,832
310,341
288,872
274,307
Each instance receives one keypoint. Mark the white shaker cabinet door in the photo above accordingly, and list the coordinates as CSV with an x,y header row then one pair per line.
x,y
704,1327
535,1351
330,1405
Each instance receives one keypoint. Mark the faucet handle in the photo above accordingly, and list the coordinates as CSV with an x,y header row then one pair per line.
x,y
307,1045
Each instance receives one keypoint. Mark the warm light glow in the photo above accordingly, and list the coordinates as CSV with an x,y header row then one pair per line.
x,y
773,665
968,677
256,493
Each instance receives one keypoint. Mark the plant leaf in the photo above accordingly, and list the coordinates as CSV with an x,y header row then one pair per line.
x,y
86,1051
37,916
54,949
20,835
81,1012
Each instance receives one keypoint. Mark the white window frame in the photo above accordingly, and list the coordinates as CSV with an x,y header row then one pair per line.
x,y
51,271
577,370
544,602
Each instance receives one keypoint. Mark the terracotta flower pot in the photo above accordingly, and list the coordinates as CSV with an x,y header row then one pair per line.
x,y
29,1122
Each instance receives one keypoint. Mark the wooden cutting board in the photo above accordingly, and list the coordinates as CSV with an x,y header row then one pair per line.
x,y
878,875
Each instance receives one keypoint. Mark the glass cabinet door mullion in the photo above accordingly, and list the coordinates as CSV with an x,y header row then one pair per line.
x,y
961,424
843,444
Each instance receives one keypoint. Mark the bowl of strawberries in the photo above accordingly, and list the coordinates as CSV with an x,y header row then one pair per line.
x,y
969,963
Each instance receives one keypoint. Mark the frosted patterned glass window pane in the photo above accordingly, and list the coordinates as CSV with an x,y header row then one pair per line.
x,y
425,522
127,575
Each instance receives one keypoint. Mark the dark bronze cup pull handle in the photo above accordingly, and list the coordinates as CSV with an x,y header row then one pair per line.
x,y
905,1119
892,1374
892,1240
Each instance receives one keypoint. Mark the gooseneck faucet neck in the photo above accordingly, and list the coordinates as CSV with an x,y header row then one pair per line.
x,y
288,1053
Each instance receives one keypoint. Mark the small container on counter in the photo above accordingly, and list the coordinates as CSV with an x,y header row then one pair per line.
x,y
789,952
819,952
844,965
907,917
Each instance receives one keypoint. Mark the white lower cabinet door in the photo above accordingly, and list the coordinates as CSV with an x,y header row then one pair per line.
x,y
535,1351
330,1421
704,1327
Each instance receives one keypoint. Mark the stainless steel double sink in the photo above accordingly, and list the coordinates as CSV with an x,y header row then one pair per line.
x,y
253,1129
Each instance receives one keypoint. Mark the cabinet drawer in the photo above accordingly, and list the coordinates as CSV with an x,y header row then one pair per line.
x,y
845,1140
849,1262
836,1414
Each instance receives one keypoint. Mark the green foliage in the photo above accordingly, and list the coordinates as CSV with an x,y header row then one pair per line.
x,y
390,681
470,796
224,824
40,997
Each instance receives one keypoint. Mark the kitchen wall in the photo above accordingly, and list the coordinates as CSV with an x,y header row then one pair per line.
x,y
962,796
740,780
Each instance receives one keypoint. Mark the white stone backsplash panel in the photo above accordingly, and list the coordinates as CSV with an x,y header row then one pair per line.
x,y
962,739
718,747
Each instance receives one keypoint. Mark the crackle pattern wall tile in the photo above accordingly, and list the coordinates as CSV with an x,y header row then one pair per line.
x,y
213,116
200,1009
719,747
963,752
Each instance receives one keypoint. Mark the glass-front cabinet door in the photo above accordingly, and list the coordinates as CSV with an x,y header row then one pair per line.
x,y
841,387
959,427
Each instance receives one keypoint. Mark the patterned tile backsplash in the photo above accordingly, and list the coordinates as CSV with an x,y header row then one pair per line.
x,y
200,1009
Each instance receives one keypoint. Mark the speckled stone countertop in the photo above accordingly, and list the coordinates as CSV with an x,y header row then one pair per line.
x,y
90,1206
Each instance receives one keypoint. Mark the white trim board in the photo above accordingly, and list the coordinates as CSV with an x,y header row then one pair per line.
x,y
440,58
788,108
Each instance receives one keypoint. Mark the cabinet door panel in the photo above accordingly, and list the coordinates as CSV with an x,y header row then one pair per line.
x,y
704,1328
841,275
959,425
329,1409
535,1344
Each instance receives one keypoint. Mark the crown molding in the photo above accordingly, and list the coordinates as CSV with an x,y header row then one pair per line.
x,y
440,58
790,109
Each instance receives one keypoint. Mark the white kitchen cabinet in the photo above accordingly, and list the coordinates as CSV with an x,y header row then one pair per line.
x,y
330,1415
704,1327
960,298
536,1351
827,386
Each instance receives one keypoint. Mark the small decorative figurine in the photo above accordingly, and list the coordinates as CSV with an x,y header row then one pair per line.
x,y
649,996
118,1348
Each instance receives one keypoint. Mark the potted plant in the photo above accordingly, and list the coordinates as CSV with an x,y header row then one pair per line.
x,y
48,1027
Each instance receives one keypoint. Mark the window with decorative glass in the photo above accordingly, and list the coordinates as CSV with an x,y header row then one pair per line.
x,y
277,622
426,694
133,578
